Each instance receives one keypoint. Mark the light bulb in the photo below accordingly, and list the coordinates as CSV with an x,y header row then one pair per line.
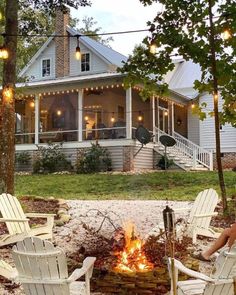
x,y
113,118
166,113
77,53
59,112
226,34
8,94
4,53
86,118
32,104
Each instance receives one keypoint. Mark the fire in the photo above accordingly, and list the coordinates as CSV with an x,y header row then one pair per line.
x,y
132,258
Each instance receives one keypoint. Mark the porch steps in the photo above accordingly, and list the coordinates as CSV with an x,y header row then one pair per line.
x,y
181,160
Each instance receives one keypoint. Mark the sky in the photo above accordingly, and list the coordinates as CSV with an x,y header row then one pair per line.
x,y
122,15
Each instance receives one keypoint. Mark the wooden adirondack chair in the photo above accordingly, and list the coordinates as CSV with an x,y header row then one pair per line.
x,y
219,283
7,271
199,217
42,269
18,224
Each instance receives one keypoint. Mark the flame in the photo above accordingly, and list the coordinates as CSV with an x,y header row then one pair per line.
x,y
132,258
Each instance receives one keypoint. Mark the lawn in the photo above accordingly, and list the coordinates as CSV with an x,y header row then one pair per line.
x,y
151,186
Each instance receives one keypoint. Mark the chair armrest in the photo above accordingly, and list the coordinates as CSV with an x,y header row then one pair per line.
x,y
190,272
43,215
205,215
79,272
13,220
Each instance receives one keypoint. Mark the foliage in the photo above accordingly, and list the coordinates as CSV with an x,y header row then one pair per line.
x,y
173,185
182,28
96,159
23,158
89,26
161,163
51,159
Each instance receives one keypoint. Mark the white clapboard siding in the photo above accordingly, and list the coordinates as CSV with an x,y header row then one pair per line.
x,y
193,127
144,159
42,269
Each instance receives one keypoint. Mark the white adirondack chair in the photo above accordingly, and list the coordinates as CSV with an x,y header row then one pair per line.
x,y
219,283
18,224
42,269
7,271
199,218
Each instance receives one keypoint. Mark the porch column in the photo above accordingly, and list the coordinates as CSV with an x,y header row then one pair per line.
x,y
36,119
158,119
172,119
80,115
129,113
154,117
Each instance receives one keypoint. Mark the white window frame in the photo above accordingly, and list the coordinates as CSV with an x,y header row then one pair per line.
x,y
45,77
84,53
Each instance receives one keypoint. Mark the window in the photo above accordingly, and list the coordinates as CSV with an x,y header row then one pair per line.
x,y
46,67
85,62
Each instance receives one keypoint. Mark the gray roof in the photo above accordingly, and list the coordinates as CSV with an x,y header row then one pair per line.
x,y
111,56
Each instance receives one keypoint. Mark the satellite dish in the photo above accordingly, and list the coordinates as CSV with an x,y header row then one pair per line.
x,y
167,141
143,136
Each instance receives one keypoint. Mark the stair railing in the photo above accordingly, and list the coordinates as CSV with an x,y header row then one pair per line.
x,y
186,147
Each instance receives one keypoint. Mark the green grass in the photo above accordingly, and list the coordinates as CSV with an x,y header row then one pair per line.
x,y
152,186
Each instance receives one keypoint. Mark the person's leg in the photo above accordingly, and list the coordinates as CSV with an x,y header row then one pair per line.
x,y
219,243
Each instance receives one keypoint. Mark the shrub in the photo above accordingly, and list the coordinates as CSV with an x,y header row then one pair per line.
x,y
51,160
161,163
96,159
23,158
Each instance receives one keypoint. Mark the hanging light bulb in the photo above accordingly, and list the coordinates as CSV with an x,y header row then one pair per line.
x,y
113,118
192,105
59,112
226,34
86,118
166,113
153,47
4,54
77,50
7,94
140,117
32,104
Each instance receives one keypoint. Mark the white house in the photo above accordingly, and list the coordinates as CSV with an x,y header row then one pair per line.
x,y
78,102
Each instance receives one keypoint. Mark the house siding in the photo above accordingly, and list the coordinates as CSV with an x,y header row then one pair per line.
x,y
97,65
193,127
35,70
207,130
144,159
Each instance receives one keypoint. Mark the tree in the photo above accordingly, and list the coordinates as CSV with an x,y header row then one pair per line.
x,y
7,102
89,27
189,29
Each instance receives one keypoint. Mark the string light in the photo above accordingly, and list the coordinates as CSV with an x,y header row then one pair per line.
x,y
166,113
59,112
86,118
77,50
140,117
152,47
226,35
7,94
192,105
32,104
113,117
4,54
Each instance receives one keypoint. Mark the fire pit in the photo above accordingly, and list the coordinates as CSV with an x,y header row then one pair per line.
x,y
127,265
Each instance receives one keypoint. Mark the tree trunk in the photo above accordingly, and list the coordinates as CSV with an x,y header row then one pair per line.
x,y
216,110
7,105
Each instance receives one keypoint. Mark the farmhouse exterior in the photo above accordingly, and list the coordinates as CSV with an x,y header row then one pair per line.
x,y
79,102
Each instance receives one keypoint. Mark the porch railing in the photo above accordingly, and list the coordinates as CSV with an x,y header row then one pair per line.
x,y
197,154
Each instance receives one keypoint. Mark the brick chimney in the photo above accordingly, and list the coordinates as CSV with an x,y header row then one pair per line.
x,y
62,44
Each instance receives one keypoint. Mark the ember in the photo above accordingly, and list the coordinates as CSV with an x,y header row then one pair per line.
x,y
132,258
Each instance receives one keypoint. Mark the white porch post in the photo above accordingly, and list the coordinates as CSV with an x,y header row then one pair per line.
x,y
80,115
172,118
154,118
36,119
158,119
129,113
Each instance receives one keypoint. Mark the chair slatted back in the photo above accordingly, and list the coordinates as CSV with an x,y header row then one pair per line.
x,y
11,208
224,264
205,203
223,289
42,268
